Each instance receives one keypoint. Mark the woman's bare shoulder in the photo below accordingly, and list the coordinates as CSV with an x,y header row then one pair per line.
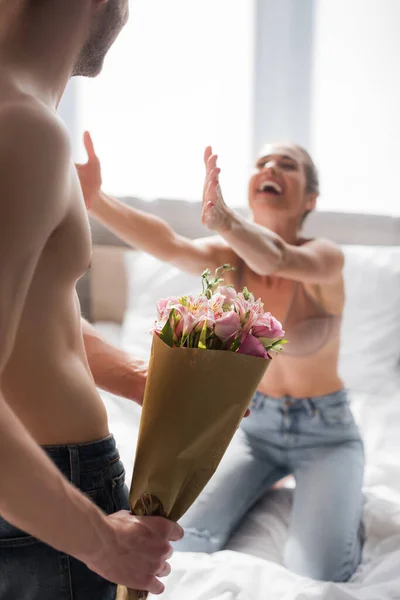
x,y
331,294
221,251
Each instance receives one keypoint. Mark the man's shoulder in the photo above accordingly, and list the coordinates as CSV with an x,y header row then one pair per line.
x,y
34,159
32,130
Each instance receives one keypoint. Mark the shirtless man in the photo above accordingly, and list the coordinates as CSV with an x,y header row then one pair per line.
x,y
54,435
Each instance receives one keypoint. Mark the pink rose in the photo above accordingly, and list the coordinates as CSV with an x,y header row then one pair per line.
x,y
267,326
253,347
227,326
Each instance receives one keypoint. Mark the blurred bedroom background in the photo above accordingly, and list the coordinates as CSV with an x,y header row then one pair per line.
x,y
237,73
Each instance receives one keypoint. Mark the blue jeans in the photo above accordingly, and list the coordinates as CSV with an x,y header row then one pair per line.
x,y
318,441
31,570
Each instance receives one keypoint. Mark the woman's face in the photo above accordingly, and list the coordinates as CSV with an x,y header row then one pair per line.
x,y
279,183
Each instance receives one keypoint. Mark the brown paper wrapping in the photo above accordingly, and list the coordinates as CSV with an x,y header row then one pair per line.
x,y
194,402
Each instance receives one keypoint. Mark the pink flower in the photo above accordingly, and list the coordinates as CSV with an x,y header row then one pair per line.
x,y
249,311
195,304
160,323
198,307
227,326
185,321
229,294
202,316
217,304
157,328
267,326
186,314
253,347
164,306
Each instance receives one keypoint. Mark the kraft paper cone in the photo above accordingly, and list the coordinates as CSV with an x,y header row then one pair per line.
x,y
194,402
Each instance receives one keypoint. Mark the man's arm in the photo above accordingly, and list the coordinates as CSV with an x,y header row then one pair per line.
x,y
113,369
144,231
34,166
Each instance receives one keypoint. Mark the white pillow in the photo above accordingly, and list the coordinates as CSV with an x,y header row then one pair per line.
x,y
370,343
149,279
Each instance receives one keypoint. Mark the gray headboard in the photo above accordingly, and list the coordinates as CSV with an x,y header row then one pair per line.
x,y
343,228
184,217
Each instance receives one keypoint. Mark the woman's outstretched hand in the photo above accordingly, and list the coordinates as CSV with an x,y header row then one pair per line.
x,y
90,173
216,215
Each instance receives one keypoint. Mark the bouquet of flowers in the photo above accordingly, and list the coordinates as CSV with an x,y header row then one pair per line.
x,y
209,354
219,319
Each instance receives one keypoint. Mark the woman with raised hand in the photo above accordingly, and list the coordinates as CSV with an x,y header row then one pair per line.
x,y
300,422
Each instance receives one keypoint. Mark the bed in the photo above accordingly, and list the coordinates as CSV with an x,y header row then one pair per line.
x,y
119,293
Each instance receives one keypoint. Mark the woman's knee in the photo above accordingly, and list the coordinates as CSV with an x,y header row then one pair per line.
x,y
323,564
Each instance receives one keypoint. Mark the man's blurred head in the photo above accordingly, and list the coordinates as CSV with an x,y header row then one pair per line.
x,y
110,17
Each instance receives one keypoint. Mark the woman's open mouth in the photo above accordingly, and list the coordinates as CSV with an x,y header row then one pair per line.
x,y
270,187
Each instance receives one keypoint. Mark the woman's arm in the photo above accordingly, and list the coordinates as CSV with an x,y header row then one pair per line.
x,y
141,230
265,252
154,236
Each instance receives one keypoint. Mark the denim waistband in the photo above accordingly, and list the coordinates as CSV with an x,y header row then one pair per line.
x,y
291,401
91,455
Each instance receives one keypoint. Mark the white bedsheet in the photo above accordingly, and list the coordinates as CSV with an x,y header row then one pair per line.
x,y
250,569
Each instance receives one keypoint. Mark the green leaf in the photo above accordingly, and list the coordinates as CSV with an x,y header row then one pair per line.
x,y
203,337
267,342
279,343
167,333
204,280
234,345
277,349
196,338
184,339
221,270
246,293
210,284
276,346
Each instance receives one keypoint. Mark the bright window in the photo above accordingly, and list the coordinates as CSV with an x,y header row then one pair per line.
x,y
178,78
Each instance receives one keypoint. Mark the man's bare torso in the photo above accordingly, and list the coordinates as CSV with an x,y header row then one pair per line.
x,y
47,380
